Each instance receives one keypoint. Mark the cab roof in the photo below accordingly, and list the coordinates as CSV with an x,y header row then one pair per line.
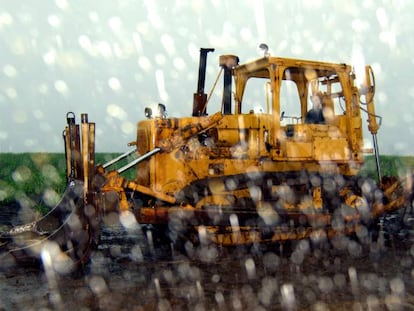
x,y
260,68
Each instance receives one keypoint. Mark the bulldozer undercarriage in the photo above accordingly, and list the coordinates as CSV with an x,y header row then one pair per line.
x,y
234,218
224,220
229,178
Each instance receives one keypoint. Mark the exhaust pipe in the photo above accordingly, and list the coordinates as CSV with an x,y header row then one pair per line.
x,y
200,98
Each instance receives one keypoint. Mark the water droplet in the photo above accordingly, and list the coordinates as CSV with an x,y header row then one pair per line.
x,y
53,21
288,296
98,285
157,287
250,268
397,286
61,87
127,219
10,71
325,285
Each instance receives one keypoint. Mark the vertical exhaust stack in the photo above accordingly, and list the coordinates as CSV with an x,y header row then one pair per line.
x,y
200,98
227,62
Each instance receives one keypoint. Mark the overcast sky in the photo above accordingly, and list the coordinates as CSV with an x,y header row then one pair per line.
x,y
111,59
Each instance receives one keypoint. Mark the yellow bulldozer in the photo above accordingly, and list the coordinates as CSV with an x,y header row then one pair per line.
x,y
279,161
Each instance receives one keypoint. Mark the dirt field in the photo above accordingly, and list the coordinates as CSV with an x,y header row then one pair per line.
x,y
344,274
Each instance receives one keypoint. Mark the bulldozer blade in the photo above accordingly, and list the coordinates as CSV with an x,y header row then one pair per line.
x,y
64,226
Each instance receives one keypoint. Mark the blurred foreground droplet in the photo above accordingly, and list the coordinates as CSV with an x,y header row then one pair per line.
x,y
54,260
98,285
250,268
128,220
353,278
288,296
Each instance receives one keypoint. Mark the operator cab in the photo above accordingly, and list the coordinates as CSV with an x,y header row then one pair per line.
x,y
303,108
317,94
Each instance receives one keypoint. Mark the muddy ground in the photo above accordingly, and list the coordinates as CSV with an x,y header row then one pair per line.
x,y
346,273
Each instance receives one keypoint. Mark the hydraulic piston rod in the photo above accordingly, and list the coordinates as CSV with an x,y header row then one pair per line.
x,y
119,158
138,160
372,117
